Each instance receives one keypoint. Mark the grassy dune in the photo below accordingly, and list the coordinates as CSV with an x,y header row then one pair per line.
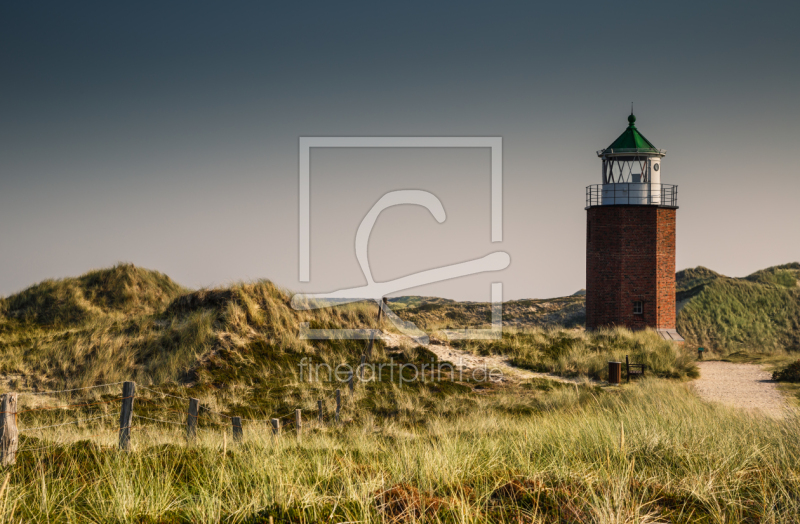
x,y
129,323
132,323
756,314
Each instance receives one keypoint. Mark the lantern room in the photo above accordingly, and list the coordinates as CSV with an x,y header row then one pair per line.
x,y
631,173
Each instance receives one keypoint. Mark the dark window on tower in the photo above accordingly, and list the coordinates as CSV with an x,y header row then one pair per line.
x,y
637,308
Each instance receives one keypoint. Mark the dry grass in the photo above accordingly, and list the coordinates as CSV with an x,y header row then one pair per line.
x,y
647,453
75,333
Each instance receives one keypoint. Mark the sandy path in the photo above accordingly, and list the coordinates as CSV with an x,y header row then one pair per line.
x,y
745,386
468,361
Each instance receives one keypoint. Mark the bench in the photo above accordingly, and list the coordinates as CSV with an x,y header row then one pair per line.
x,y
633,369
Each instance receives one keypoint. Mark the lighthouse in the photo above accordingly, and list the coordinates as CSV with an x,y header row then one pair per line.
x,y
630,239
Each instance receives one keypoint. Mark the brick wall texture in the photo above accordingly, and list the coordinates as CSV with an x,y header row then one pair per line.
x,y
630,257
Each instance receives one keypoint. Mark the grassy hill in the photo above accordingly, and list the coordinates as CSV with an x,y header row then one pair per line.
x,y
757,313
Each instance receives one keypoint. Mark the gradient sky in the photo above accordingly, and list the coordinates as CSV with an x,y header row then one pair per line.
x,y
166,134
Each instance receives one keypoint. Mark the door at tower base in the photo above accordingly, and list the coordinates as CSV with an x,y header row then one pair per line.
x,y
630,267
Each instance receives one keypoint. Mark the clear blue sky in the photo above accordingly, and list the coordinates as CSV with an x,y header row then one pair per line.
x,y
166,134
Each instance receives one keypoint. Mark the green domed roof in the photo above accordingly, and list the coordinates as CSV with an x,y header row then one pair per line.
x,y
632,141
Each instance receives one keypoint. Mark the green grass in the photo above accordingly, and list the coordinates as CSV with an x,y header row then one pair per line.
x,y
786,275
693,278
731,315
650,452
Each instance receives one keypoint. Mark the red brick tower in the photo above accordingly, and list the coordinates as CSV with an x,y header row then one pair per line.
x,y
630,239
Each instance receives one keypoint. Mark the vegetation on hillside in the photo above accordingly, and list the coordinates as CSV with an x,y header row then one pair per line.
x,y
123,290
759,313
691,281
127,322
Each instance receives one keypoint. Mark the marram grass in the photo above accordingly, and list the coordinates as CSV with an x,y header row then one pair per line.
x,y
649,452
582,353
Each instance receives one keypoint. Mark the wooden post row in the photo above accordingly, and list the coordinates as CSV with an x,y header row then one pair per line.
x,y
276,426
126,415
238,434
9,435
191,418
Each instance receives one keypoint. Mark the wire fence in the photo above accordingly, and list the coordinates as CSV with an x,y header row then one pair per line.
x,y
156,409
190,414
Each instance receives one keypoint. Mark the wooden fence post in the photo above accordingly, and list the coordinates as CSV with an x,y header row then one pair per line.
x,y
369,347
276,426
627,368
380,309
361,365
350,383
126,415
319,409
191,418
338,403
9,436
298,423
238,434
